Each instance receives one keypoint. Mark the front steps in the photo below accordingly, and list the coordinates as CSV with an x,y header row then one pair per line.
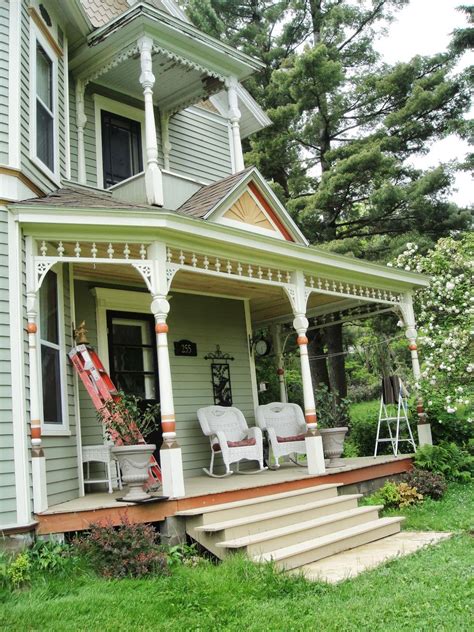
x,y
292,528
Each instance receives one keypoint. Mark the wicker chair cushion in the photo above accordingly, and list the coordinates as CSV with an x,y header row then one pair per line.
x,y
235,444
299,437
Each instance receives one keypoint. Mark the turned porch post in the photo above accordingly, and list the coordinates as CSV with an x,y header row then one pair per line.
x,y
38,460
170,452
313,439
424,428
153,178
234,115
280,368
81,120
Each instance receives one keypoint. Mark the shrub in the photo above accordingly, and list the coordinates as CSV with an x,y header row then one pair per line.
x,y
448,459
363,428
51,556
129,550
427,483
18,571
396,495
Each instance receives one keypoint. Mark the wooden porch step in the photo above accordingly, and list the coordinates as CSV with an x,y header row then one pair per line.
x,y
284,516
267,541
315,549
259,499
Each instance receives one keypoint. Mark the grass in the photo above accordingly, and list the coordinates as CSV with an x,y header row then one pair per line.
x,y
429,590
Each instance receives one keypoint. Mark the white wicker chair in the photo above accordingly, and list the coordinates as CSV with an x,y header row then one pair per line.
x,y
285,426
230,435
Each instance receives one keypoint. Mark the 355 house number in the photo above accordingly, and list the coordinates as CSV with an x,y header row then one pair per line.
x,y
185,348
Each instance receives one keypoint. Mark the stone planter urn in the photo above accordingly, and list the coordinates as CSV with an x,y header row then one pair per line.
x,y
134,461
333,445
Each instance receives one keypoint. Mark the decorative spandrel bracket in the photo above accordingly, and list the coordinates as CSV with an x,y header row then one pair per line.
x,y
145,270
171,269
41,270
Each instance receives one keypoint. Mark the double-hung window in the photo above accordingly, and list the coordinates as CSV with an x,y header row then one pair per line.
x,y
43,105
121,148
51,354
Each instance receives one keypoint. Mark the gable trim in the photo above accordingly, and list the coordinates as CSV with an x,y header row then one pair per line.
x,y
268,209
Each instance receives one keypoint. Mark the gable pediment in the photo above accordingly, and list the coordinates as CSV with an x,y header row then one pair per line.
x,y
247,210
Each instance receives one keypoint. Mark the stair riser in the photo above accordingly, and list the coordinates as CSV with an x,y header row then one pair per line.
x,y
285,520
337,547
266,505
309,534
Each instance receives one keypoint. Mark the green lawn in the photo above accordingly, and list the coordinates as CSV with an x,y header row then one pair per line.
x,y
431,590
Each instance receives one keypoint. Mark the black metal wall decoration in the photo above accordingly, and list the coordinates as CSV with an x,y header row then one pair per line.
x,y
220,374
185,348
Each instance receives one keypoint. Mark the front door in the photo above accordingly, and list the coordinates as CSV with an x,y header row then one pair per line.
x,y
132,359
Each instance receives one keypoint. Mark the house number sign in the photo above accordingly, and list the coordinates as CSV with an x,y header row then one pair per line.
x,y
185,348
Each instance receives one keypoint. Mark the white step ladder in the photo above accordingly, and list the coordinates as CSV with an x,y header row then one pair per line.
x,y
387,405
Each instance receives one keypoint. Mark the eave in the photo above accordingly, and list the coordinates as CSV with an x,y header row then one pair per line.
x,y
172,33
181,231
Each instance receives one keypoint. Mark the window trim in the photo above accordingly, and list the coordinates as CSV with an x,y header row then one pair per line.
x,y
103,104
49,429
37,37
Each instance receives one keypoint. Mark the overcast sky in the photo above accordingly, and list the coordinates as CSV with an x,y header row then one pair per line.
x,y
424,28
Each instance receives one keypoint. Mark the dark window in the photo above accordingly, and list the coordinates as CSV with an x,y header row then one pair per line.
x,y
121,148
50,350
44,108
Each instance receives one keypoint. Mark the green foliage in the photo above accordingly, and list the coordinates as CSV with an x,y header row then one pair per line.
x,y
448,459
51,556
17,572
125,418
333,412
186,554
129,550
428,483
363,428
395,495
444,313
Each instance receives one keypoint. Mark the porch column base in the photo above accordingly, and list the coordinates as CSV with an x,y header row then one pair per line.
x,y
315,454
172,471
424,434
40,493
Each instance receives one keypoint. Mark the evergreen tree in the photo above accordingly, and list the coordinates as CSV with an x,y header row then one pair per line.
x,y
347,126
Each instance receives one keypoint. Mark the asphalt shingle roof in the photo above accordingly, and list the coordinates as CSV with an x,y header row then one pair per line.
x,y
70,197
206,198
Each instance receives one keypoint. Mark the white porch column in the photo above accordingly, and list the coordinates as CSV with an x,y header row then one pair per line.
x,y
153,178
280,369
170,452
313,440
424,428
234,115
81,120
38,460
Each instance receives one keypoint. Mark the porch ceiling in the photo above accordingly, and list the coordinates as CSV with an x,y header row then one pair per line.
x,y
266,302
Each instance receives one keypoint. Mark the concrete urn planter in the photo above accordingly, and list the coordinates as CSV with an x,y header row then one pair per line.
x,y
134,461
333,445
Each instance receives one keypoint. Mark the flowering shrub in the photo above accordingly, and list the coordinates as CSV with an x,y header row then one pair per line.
x,y
445,321
129,550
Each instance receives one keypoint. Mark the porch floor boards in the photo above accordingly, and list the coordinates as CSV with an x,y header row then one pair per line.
x,y
202,491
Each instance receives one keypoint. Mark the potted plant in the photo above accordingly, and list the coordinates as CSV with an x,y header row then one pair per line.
x,y
333,424
127,425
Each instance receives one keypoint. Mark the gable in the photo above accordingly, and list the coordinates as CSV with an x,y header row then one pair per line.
x,y
250,211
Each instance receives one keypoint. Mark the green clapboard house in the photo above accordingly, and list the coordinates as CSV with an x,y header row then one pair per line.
x,y
125,204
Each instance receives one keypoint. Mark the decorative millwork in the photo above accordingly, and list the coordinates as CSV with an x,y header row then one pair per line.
x,y
115,61
344,315
224,267
171,270
352,290
187,63
234,116
145,270
247,210
41,270
95,252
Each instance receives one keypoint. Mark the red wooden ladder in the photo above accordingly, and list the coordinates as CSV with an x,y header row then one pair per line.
x,y
101,389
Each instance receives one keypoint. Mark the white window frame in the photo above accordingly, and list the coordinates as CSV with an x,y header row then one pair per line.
x,y
61,429
121,109
36,37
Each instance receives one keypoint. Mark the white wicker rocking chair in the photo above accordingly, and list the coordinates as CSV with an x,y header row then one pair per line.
x,y
230,435
286,428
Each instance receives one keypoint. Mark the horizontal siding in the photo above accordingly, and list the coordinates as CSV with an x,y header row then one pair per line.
x,y
4,21
7,470
61,452
206,321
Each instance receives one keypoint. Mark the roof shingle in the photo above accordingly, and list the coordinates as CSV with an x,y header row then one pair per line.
x,y
206,198
70,197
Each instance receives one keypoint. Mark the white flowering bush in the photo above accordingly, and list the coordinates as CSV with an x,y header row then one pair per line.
x,y
445,319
